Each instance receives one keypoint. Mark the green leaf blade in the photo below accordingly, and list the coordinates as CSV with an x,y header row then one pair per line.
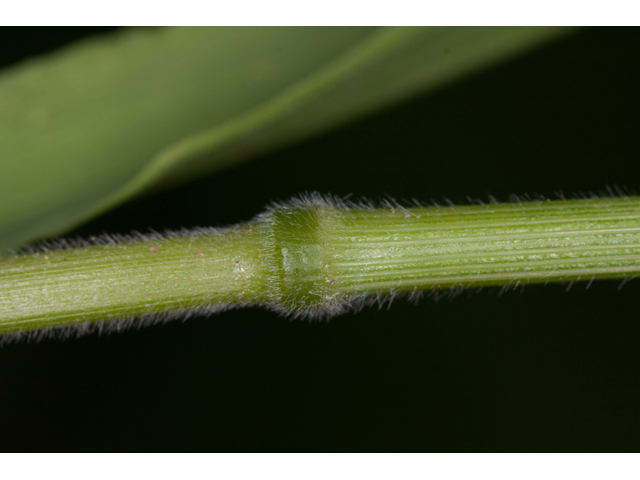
x,y
93,125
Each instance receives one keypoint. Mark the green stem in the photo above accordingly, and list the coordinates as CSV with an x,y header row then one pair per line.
x,y
315,258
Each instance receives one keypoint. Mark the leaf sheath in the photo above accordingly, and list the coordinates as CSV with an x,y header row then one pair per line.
x,y
318,257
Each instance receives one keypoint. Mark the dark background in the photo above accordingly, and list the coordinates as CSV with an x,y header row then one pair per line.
x,y
535,369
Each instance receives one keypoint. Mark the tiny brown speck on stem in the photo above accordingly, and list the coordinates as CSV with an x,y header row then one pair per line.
x,y
199,254
154,249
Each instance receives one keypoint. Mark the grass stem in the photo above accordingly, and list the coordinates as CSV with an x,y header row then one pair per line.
x,y
319,257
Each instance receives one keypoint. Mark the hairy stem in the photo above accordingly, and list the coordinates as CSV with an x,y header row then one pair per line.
x,y
317,257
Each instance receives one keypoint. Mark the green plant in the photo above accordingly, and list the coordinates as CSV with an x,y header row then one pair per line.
x,y
318,257
495,369
345,73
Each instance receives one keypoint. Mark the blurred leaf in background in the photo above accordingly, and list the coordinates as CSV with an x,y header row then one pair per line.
x,y
88,127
